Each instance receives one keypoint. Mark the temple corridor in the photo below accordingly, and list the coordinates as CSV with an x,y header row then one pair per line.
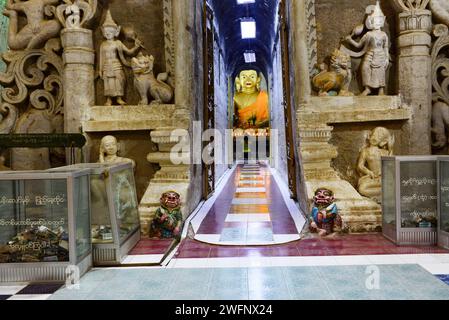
x,y
250,210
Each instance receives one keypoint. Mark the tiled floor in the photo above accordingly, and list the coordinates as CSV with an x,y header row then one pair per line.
x,y
28,292
250,210
148,251
343,245
403,282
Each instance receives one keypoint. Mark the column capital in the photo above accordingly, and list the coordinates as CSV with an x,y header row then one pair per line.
x,y
415,21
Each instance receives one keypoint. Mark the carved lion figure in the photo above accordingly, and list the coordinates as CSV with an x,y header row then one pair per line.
x,y
145,81
337,79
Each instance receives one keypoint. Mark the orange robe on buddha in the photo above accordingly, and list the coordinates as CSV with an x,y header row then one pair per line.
x,y
259,109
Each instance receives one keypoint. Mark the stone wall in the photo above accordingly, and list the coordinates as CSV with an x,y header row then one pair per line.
x,y
3,33
196,94
278,151
221,102
146,17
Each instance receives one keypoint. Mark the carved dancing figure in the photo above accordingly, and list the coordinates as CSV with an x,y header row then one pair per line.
x,y
369,166
37,30
374,47
112,60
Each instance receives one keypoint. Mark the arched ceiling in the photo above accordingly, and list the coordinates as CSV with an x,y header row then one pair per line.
x,y
228,14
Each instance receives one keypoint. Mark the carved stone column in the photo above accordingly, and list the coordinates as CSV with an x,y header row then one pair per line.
x,y
302,17
185,81
79,59
414,72
78,77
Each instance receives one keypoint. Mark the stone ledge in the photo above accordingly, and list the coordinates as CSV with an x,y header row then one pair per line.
x,y
130,118
333,110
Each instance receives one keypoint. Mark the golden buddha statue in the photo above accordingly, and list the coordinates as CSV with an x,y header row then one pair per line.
x,y
251,103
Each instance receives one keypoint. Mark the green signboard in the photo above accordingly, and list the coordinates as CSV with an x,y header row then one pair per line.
x,y
42,140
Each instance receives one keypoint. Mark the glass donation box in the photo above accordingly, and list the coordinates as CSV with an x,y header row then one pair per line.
x,y
115,224
44,225
443,207
410,199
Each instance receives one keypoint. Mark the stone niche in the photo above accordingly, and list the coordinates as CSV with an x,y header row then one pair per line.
x,y
135,145
350,138
336,20
146,17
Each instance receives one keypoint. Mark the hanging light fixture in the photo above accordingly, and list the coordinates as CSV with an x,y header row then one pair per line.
x,y
245,1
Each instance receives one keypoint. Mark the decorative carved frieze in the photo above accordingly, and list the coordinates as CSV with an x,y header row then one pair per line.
x,y
417,20
440,82
169,40
73,14
311,35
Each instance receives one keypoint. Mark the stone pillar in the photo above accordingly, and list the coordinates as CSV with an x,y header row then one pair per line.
x,y
79,95
299,27
185,81
414,74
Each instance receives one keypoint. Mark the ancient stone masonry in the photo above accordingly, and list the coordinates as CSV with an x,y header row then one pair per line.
x,y
169,42
317,116
311,35
440,68
440,78
79,59
414,42
32,98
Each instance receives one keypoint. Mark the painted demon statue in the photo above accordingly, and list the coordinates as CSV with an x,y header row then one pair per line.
x,y
324,217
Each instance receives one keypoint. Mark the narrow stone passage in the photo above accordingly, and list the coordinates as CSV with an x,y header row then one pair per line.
x,y
250,210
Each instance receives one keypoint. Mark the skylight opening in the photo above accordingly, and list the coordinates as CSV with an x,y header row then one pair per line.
x,y
245,1
248,27
250,56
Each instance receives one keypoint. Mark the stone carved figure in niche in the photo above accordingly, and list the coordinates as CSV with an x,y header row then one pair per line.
x,y
112,59
251,103
374,48
145,81
335,81
109,152
37,30
325,215
168,219
369,165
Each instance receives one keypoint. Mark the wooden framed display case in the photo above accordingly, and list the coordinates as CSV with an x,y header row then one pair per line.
x,y
115,227
44,225
410,199
443,203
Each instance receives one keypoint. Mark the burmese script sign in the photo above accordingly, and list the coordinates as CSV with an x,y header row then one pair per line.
x,y
33,227
42,140
419,194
